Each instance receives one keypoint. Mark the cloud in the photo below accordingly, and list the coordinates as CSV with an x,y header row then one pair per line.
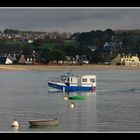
x,y
69,20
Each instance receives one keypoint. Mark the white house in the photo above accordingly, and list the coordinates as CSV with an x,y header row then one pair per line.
x,y
130,60
5,60
30,41
8,61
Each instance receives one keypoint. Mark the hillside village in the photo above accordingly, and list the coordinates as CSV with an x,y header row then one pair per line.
x,y
95,47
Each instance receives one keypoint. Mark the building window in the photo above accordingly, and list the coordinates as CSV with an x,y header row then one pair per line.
x,y
92,80
84,80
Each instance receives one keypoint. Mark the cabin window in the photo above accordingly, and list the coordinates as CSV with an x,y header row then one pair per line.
x,y
84,80
71,79
92,80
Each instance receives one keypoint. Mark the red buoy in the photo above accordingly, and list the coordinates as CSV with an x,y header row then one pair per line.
x,y
92,87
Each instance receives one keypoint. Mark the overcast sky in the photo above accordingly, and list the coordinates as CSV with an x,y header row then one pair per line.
x,y
69,19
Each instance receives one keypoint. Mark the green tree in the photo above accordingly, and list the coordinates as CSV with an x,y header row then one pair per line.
x,y
71,50
58,55
27,49
37,43
10,31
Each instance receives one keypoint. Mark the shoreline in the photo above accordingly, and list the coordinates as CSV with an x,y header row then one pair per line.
x,y
66,67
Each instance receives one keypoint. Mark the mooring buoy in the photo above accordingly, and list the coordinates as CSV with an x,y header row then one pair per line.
x,y
15,123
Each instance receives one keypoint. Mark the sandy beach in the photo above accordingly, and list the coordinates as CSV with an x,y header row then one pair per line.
x,y
65,67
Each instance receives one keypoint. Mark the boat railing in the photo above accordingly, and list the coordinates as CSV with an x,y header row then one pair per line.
x,y
54,79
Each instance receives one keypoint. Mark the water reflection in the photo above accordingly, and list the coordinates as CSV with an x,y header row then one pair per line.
x,y
15,129
90,93
51,90
42,128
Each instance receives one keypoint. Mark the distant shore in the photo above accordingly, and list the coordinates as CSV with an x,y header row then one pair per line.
x,y
65,67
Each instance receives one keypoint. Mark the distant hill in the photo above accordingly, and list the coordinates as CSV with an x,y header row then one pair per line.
x,y
135,31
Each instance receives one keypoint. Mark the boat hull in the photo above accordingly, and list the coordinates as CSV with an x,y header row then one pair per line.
x,y
70,88
48,122
76,97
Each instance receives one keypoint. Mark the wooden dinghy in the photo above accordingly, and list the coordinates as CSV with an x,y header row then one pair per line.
x,y
44,122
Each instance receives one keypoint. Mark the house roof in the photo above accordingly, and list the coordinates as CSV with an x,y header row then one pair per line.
x,y
22,59
117,58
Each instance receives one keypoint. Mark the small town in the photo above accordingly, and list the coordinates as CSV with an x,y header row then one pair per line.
x,y
119,47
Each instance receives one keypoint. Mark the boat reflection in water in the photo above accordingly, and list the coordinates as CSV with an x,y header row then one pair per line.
x,y
76,93
79,95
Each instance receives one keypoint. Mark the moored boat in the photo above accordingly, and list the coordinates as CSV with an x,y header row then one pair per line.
x,y
76,97
44,122
69,82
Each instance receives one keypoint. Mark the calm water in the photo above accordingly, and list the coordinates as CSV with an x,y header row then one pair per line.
x,y
114,107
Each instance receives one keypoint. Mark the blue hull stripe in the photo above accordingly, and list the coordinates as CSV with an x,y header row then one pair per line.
x,y
70,88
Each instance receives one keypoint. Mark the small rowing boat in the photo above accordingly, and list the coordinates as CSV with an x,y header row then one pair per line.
x,y
44,122
76,97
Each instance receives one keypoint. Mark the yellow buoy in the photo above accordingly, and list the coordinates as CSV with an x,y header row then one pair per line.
x,y
15,123
65,98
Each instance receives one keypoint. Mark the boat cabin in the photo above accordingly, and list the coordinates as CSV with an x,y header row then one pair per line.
x,y
79,80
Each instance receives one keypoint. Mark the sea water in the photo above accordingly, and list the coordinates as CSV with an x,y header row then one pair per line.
x,y
114,106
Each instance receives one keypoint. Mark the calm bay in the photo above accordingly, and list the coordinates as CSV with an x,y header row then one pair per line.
x,y
115,106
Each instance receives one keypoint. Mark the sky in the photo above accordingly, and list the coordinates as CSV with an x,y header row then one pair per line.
x,y
69,19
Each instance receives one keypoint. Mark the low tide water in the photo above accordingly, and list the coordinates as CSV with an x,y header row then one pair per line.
x,y
115,106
